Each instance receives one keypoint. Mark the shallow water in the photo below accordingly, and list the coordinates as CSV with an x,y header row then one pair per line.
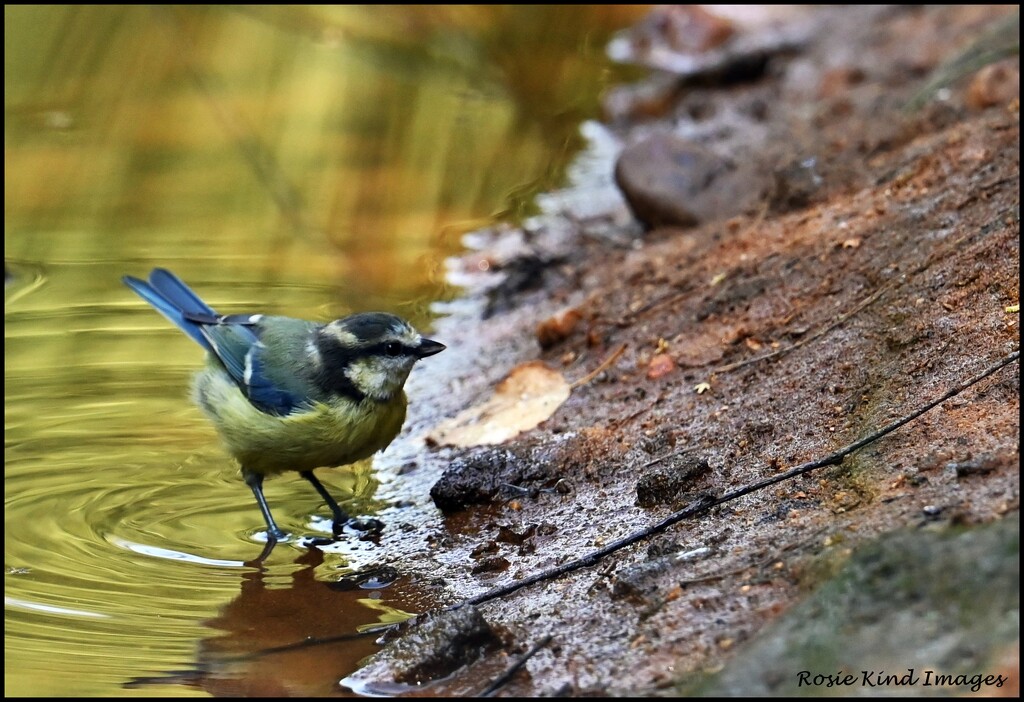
x,y
309,162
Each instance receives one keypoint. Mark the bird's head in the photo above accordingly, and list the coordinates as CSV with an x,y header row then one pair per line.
x,y
368,355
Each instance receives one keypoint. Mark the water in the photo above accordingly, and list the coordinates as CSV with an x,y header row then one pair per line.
x,y
301,161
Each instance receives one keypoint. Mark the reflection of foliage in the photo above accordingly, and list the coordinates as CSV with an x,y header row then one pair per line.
x,y
344,143
999,41
547,61
558,86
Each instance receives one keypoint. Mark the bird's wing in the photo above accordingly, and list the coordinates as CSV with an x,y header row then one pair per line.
x,y
271,388
271,384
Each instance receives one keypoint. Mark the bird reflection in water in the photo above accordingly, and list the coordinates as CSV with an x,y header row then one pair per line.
x,y
298,640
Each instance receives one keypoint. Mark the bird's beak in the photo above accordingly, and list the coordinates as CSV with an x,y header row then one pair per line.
x,y
428,347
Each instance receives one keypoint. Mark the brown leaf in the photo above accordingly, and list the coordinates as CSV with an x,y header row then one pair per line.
x,y
526,397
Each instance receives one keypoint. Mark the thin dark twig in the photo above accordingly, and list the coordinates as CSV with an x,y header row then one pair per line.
x,y
700,505
601,368
507,675
706,502
837,457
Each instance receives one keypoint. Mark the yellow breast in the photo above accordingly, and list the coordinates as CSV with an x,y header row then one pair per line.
x,y
328,434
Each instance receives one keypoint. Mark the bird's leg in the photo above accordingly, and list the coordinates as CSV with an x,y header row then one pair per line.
x,y
255,481
340,516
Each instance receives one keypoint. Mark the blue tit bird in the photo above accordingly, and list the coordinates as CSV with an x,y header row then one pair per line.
x,y
288,394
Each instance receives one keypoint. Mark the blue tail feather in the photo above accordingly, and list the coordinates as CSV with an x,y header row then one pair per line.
x,y
180,295
173,299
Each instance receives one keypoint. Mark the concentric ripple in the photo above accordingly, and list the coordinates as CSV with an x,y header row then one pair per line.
x,y
128,530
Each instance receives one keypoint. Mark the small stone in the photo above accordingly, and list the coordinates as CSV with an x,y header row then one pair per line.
x,y
670,484
671,181
682,28
436,644
557,327
661,365
493,564
796,184
995,84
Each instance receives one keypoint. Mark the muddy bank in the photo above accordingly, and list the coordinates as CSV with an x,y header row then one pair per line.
x,y
799,260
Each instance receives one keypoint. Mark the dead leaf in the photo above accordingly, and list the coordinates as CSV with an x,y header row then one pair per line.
x,y
526,397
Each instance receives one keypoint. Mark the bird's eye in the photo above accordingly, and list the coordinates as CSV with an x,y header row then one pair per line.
x,y
393,348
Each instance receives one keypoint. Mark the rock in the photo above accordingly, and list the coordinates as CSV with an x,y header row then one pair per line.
x,y
670,181
684,28
796,184
669,484
910,596
695,44
558,327
995,84
427,648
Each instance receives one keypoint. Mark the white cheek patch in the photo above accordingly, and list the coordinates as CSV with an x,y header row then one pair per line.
x,y
361,376
379,377
255,319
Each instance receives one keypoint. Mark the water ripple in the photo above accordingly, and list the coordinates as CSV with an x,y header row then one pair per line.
x,y
128,528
